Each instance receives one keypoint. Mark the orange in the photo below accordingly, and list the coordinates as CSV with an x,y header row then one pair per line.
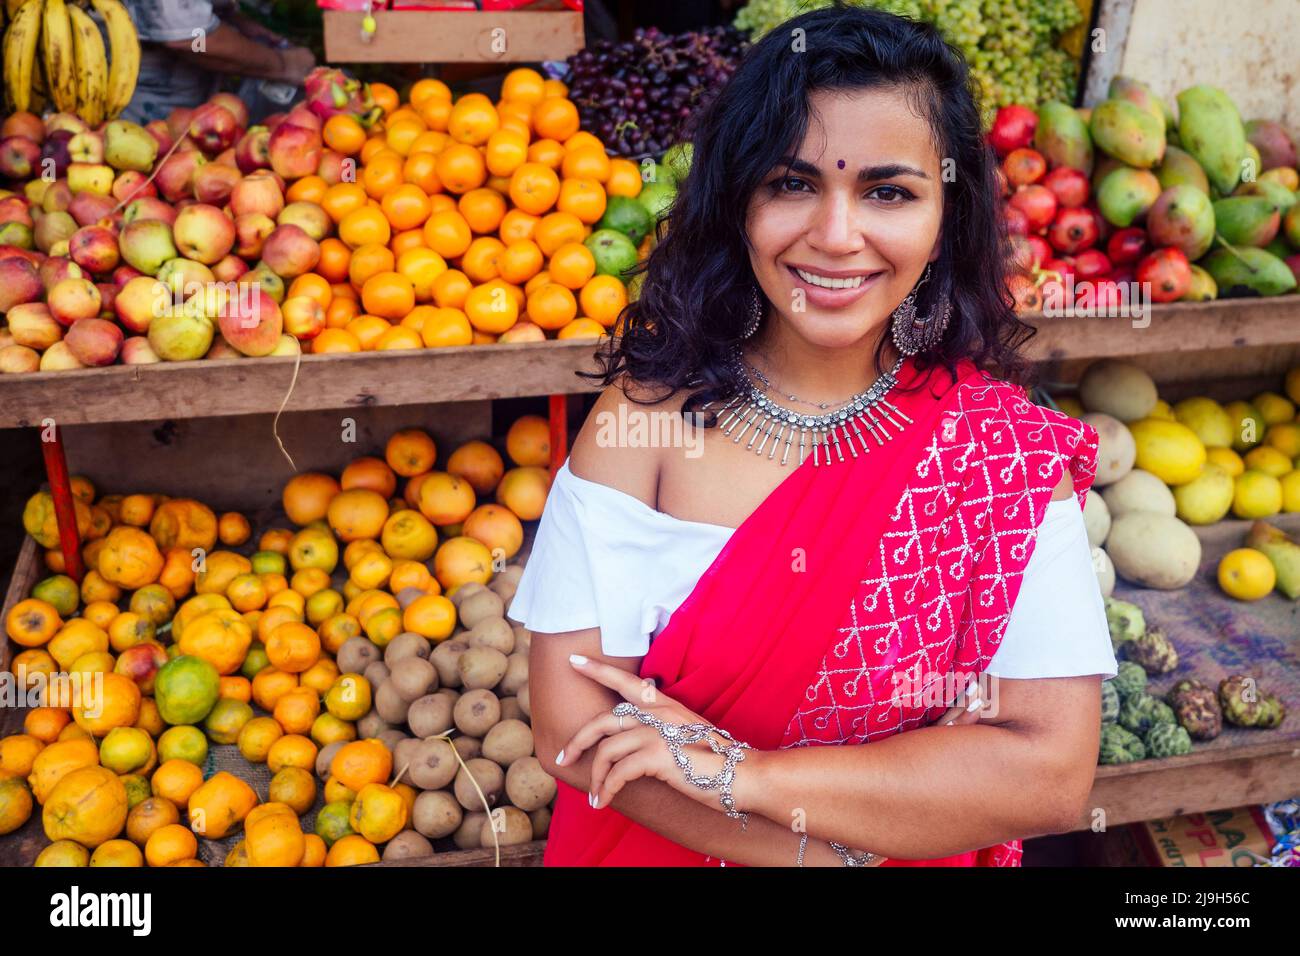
x,y
552,306
558,229
295,787
408,574
379,813
368,330
389,295
275,839
352,850
460,560
483,209
358,513
414,320
309,581
176,780
88,805
603,298
516,113
490,308
446,499
382,173
33,666
547,152
430,142
342,198
555,88
473,119
118,705
407,534
581,328
400,134
534,188
170,843
385,96
334,259
233,529
448,233
220,805
221,637
478,463
32,622
523,490
427,88
343,133
293,647
461,168
580,140
585,198
555,118
432,616
291,750
313,286
536,282
410,451
446,327
624,178
507,150
451,289
479,262
365,226
46,723
369,260
307,496
357,549
406,240
136,510
517,225
520,261
528,441
406,206
422,266
372,473
421,169
524,85
497,527
335,340
234,687
270,685
586,162
17,754
297,708
403,113
398,338
436,113
373,146
308,189
572,265
361,762
247,592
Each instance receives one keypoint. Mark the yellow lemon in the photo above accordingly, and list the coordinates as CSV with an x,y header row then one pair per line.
x,y
1207,418
1293,384
1267,459
1285,437
1227,459
1071,406
1162,411
1169,450
1246,574
1257,495
1206,498
1273,407
1291,491
1248,425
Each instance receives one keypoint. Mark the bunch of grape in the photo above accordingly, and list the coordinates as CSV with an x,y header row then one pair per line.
x,y
1011,45
638,96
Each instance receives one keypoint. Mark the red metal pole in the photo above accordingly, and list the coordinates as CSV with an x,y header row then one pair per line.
x,y
559,418
56,470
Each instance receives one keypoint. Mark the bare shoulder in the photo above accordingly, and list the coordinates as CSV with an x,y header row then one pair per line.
x,y
601,451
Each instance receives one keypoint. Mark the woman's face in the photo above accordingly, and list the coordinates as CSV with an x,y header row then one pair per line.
x,y
839,239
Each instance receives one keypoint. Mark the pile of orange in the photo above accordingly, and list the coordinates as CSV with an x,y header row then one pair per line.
x,y
265,618
464,223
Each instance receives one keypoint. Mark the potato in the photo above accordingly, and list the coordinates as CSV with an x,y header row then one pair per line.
x,y
1101,563
376,673
476,712
468,747
406,644
408,596
372,725
433,764
356,654
407,845
436,814
430,715
389,704
1096,519
464,591
541,822
1154,550
512,574
504,589
445,658
523,638
481,667
1138,491
1116,449
1117,388
450,693
413,677
391,738
466,835
528,786
492,632
516,675
480,607
510,825
510,709
508,741
405,754
326,757
524,703
491,780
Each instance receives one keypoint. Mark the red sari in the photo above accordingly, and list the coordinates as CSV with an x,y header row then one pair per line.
x,y
893,569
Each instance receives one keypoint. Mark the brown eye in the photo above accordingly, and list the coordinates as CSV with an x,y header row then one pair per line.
x,y
890,194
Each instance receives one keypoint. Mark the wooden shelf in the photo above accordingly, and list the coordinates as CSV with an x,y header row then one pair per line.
x,y
454,36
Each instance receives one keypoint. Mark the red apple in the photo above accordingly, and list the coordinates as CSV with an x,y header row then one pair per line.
x,y
94,248
229,269
149,207
250,320
162,135
94,341
175,176
238,109
136,350
54,153
147,244
87,147
295,150
73,299
203,233
251,230
141,662
57,197
289,251
16,359
336,168
213,127
221,349
88,208
257,192
303,317
107,296
53,227
307,216
32,325
140,301
19,283
124,274
253,150
23,124
58,358
19,157
178,122
16,209
301,115
64,123
132,184
57,268
214,182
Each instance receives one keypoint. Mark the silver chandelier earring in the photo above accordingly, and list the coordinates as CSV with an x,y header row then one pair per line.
x,y
913,333
755,313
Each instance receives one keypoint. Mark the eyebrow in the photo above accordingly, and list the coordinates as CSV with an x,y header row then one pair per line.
x,y
867,173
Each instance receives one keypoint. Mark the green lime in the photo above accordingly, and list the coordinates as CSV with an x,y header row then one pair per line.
x,y
658,198
624,214
678,160
186,689
614,252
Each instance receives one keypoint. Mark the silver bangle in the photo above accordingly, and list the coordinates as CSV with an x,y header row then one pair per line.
x,y
803,845
866,859
679,735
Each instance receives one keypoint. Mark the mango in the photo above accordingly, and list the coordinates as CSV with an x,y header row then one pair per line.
x,y
1270,189
1062,137
1210,128
1103,167
1202,287
1276,148
1278,247
1182,217
1143,97
1291,226
1283,176
1126,194
1247,220
1282,551
1126,131
1248,271
1178,168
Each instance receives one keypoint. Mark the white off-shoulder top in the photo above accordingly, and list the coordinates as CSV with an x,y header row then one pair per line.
x,y
603,558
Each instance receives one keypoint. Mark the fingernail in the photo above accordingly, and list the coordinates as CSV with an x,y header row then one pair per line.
x,y
591,800
948,724
559,758
975,704
577,660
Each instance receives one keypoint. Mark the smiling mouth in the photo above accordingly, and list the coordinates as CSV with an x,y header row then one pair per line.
x,y
832,282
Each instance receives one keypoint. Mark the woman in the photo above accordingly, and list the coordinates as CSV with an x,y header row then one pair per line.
x,y
837,236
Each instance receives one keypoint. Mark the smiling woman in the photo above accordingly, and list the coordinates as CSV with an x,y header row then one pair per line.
x,y
853,620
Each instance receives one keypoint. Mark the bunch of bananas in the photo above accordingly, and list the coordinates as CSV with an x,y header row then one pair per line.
x,y
74,73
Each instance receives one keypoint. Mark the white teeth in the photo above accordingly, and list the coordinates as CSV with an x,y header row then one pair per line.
x,y
826,282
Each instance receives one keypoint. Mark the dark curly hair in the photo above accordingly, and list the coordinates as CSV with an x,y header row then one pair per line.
x,y
695,296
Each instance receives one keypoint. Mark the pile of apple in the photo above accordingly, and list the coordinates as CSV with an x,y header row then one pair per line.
x,y
165,242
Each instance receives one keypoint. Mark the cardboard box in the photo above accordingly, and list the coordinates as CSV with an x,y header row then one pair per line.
x,y
1215,838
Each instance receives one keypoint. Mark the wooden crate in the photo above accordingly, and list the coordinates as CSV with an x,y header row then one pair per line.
x,y
457,36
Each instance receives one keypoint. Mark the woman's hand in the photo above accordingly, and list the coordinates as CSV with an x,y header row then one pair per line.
x,y
635,750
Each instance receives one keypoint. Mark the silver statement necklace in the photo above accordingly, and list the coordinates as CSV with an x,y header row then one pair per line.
x,y
752,412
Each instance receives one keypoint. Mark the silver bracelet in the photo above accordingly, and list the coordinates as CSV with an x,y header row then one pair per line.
x,y
866,859
679,735
803,845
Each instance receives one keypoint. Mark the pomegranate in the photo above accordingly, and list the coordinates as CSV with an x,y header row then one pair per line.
x,y
1017,221
1127,246
1168,272
1090,265
1070,186
1038,203
1013,128
1041,250
1073,230
1024,167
